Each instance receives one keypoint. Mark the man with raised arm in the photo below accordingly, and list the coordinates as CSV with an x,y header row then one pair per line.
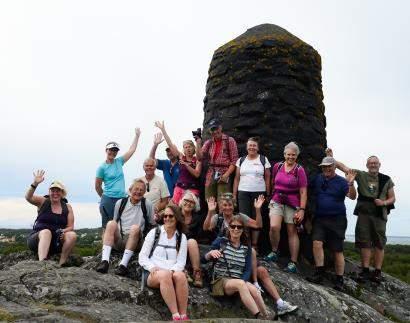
x,y
376,198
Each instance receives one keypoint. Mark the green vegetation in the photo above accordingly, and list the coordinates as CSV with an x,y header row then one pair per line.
x,y
396,259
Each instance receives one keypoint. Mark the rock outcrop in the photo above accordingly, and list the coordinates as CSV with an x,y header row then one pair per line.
x,y
43,292
268,83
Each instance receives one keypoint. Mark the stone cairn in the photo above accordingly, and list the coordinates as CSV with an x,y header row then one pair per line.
x,y
267,83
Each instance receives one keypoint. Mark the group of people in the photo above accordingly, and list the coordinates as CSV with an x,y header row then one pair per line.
x,y
161,218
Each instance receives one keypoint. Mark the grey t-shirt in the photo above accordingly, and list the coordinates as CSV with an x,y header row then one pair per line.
x,y
132,214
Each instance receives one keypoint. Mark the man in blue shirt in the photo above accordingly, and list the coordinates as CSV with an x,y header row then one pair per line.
x,y
169,167
330,222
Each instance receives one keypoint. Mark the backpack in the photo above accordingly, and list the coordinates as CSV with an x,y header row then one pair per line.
x,y
262,158
147,226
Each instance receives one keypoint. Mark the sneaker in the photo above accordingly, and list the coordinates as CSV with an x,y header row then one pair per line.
x,y
286,308
121,270
316,278
338,284
376,276
291,267
363,276
273,256
198,278
103,267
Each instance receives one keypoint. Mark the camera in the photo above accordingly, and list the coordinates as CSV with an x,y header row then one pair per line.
x,y
197,133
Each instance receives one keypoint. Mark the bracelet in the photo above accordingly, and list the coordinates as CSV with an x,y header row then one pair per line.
x,y
33,186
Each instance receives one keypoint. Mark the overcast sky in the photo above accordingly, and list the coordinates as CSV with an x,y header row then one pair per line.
x,y
76,74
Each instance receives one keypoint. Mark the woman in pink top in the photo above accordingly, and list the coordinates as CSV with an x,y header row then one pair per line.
x,y
288,203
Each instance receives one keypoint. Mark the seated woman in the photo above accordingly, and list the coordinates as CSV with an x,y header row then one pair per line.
x,y
232,269
163,257
189,205
190,167
53,228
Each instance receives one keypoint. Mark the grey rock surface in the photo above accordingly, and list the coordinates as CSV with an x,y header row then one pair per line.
x,y
43,292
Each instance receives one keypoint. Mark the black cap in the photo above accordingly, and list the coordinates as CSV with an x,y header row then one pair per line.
x,y
214,123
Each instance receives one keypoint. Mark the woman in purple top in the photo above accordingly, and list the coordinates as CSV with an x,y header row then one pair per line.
x,y
289,184
190,166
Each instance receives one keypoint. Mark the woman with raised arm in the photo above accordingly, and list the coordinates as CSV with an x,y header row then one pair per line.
x,y
233,262
111,174
163,257
289,187
190,166
252,178
53,229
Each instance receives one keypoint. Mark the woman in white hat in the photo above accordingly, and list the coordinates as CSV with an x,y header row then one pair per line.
x,y
53,228
111,174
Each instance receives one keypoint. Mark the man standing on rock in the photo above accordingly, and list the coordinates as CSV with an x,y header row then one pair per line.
x,y
169,167
376,199
330,222
132,216
221,152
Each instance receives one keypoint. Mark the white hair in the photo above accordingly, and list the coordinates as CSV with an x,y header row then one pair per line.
x,y
292,145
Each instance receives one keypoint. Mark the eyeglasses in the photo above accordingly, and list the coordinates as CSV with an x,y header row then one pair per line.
x,y
170,216
237,227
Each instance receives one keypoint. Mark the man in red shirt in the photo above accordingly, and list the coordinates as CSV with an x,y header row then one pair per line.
x,y
221,153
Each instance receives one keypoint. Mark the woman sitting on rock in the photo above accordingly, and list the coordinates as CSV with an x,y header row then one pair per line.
x,y
163,257
190,167
189,205
289,186
252,179
232,269
53,228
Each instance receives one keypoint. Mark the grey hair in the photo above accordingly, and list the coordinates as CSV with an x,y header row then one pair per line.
x,y
292,145
149,159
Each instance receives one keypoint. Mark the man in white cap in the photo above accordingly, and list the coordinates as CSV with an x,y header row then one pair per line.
x,y
330,222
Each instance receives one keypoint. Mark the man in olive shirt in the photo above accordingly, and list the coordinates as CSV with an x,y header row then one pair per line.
x,y
376,198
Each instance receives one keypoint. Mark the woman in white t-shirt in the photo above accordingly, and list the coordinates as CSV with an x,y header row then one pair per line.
x,y
252,178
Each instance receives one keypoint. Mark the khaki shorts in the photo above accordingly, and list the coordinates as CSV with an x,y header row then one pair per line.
x,y
277,209
218,286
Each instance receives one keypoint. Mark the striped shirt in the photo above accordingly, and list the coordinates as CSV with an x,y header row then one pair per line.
x,y
234,262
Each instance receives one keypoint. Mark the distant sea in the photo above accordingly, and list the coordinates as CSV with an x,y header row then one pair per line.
x,y
390,239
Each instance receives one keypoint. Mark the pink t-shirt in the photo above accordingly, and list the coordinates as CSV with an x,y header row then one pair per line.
x,y
287,185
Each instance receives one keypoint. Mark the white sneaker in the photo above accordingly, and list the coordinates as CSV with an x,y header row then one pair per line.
x,y
286,308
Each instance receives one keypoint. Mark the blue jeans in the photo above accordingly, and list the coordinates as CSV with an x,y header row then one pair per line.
x,y
107,208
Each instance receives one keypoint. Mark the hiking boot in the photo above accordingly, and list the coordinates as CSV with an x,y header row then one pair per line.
x,y
188,277
317,277
376,276
273,256
121,270
364,275
291,268
338,283
198,278
103,267
286,308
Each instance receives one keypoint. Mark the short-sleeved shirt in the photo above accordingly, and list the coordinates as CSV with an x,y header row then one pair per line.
x,y
220,155
252,174
132,215
171,173
112,176
368,186
157,189
330,195
288,184
221,231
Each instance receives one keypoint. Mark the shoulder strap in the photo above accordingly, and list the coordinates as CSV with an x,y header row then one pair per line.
x,y
156,240
241,160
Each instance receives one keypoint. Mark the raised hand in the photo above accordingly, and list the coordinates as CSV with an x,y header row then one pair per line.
x,y
160,125
38,176
211,204
137,132
259,202
351,175
329,152
158,138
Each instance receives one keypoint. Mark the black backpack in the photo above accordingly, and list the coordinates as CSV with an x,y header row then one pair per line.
x,y
147,227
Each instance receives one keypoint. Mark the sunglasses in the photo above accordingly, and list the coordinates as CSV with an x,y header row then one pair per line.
x,y
237,227
170,216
